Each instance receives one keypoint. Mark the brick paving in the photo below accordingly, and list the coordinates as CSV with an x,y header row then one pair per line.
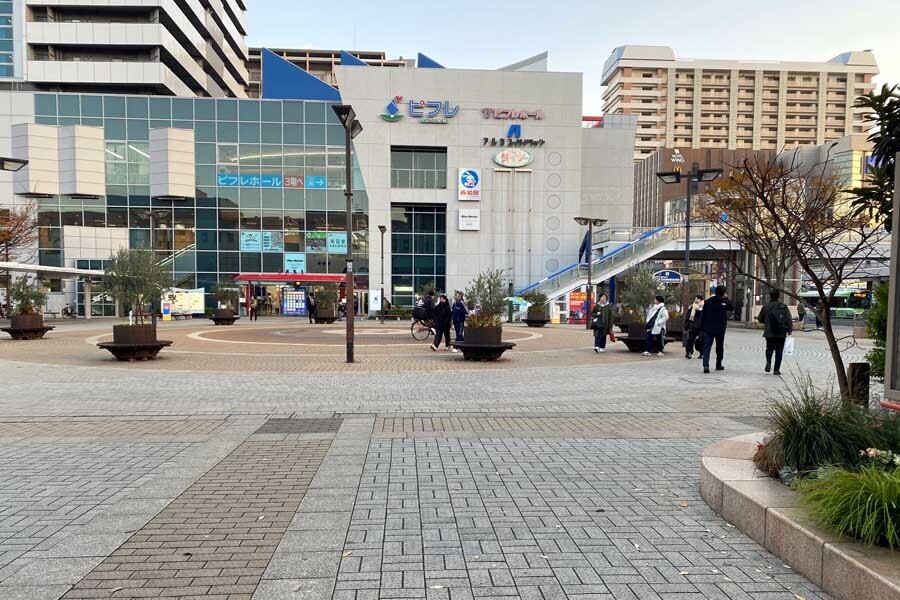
x,y
216,539
555,474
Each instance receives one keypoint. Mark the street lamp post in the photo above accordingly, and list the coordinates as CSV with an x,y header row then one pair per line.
x,y
352,127
695,176
591,223
382,229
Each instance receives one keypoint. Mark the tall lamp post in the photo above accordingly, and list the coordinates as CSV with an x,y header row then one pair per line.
x,y
382,229
591,223
352,128
696,175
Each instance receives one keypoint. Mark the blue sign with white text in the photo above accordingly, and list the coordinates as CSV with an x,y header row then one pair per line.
x,y
265,180
316,182
337,243
295,263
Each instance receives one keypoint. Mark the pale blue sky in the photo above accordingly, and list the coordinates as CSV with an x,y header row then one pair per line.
x,y
580,34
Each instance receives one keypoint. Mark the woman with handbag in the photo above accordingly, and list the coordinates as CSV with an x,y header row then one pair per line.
x,y
692,325
601,323
657,316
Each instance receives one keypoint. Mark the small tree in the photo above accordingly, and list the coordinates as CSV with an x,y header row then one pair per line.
x,y
134,277
488,291
637,290
535,298
428,286
326,298
27,298
802,212
18,232
876,197
226,295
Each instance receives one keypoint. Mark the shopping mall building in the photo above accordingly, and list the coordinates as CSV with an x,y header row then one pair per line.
x,y
466,170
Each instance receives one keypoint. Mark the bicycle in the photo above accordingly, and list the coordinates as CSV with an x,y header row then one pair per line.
x,y
422,327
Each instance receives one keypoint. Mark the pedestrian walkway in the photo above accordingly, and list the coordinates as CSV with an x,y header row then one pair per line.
x,y
547,479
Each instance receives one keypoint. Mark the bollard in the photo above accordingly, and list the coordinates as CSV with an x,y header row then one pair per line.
x,y
858,375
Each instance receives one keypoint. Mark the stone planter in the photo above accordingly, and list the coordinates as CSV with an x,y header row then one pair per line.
x,y
224,316
536,316
326,314
26,327
484,335
134,342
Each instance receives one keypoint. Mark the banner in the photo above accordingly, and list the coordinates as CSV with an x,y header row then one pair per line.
x,y
316,241
185,302
469,185
576,306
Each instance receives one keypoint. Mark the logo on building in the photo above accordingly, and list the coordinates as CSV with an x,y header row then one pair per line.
x,y
391,112
513,158
512,114
515,131
469,185
424,111
677,157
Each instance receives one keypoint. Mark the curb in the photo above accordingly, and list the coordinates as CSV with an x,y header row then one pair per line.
x,y
770,513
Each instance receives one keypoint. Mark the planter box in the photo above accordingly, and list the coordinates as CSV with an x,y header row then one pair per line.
x,y
134,334
224,316
26,327
537,313
326,314
484,336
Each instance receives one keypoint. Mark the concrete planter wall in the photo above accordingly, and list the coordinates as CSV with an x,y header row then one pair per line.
x,y
770,513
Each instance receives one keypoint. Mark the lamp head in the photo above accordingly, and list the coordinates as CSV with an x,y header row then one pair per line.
x,y
669,176
382,228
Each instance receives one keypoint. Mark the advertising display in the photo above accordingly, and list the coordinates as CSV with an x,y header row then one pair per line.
x,y
469,219
576,306
295,262
251,241
514,158
337,243
374,301
316,241
469,185
272,241
293,302
184,301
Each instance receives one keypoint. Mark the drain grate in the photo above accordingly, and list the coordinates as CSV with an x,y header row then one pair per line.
x,y
300,426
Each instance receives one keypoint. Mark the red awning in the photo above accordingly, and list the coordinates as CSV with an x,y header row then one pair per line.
x,y
289,277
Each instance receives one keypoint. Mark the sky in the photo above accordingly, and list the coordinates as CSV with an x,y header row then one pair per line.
x,y
579,35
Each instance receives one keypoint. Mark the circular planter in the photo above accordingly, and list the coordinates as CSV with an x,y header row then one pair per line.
x,y
536,317
224,316
484,336
26,327
483,344
134,342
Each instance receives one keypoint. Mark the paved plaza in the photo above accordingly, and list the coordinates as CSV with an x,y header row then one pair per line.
x,y
251,463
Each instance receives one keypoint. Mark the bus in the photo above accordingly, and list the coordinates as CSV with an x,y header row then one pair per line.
x,y
847,304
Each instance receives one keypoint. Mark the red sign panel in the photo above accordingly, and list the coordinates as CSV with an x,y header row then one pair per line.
x,y
293,181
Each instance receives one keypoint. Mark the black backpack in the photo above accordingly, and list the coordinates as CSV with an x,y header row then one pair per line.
x,y
781,319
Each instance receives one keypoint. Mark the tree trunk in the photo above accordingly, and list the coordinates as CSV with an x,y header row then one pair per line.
x,y
840,370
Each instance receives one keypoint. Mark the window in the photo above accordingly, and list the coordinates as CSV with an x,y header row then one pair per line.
x,y
418,250
419,168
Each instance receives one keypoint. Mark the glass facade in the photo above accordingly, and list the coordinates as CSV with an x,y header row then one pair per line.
x,y
419,168
6,39
418,250
269,186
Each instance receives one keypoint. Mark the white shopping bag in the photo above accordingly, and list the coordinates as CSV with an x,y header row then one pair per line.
x,y
789,346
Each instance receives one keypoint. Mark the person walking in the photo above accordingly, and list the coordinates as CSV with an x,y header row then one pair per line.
x,y
459,311
442,317
778,325
254,309
311,308
713,322
801,314
601,322
692,326
657,316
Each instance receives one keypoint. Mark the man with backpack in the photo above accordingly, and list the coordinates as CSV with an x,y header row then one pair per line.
x,y
778,325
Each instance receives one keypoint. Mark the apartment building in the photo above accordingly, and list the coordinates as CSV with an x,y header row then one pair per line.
x,y
320,63
168,47
754,105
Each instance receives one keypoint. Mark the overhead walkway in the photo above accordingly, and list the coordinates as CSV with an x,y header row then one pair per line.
x,y
642,247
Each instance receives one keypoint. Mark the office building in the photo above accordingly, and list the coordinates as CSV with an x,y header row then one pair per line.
x,y
752,105
466,169
181,49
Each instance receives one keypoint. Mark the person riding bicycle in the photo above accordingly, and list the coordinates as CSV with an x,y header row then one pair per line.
x,y
428,305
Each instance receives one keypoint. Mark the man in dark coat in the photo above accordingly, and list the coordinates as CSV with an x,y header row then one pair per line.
x,y
713,322
442,318
779,324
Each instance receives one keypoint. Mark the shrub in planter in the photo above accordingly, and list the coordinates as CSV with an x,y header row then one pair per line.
x,y
812,427
864,503
225,296
488,293
27,300
537,309
326,303
133,277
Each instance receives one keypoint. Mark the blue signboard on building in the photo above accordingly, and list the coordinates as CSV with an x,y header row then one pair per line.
x,y
337,243
251,241
316,182
265,180
295,262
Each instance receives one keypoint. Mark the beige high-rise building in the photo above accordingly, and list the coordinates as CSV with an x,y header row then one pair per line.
x,y
756,105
